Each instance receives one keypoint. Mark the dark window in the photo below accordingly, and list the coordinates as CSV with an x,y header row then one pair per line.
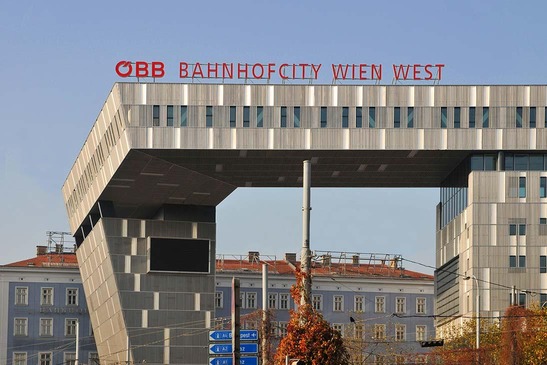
x,y
533,117
477,163
169,115
457,118
512,261
545,117
232,117
444,117
522,187
359,117
372,117
509,162
512,229
246,117
296,117
543,221
345,111
521,162
543,187
323,117
485,117
259,116
522,261
536,162
489,163
156,115
283,117
543,264
208,116
396,117
518,121
410,118
522,299
183,116
472,117
179,255
542,300
522,229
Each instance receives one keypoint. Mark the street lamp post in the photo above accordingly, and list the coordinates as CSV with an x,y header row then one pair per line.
x,y
478,303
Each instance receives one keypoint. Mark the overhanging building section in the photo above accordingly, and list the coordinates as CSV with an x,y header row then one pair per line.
x,y
164,155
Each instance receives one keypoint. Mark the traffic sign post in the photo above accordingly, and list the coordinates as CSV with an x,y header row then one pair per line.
x,y
224,348
244,360
226,335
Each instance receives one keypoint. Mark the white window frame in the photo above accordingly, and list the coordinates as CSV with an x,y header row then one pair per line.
x,y
359,327
284,298
49,362
251,296
41,333
67,324
319,302
51,296
400,328
424,332
377,330
335,302
273,328
69,295
24,297
339,327
65,360
377,301
424,311
219,299
283,328
358,301
400,305
16,327
19,361
272,299
242,299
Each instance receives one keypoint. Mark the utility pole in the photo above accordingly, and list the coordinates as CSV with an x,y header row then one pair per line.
x,y
77,342
265,316
305,257
236,307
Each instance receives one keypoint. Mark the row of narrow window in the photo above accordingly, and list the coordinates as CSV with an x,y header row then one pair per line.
x,y
519,261
484,120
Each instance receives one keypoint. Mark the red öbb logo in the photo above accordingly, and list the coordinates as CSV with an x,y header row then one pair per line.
x,y
154,69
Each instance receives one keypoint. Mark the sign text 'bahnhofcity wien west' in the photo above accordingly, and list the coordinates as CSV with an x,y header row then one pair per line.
x,y
283,71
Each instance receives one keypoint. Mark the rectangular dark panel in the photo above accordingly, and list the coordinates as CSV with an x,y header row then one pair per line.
x,y
179,255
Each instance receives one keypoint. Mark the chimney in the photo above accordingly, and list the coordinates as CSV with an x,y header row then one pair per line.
x,y
355,260
290,256
41,250
254,256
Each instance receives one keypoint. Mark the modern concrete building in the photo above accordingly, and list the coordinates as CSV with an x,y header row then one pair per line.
x,y
160,157
41,300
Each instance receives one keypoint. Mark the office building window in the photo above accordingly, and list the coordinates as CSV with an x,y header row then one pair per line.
x,y
420,305
21,295
485,117
379,304
522,299
512,230
232,117
46,298
283,301
19,358
522,229
259,116
208,116
512,261
400,331
358,302
219,299
522,187
272,301
251,300
156,116
359,117
72,296
457,119
46,326
522,261
410,118
533,117
296,115
282,329
542,300
472,117
20,327
283,120
184,116
169,115
359,331
317,302
420,333
542,264
338,303
94,358
400,305
345,113
246,117
379,331
396,117
323,117
543,187
444,117
372,117
44,358
69,358
518,121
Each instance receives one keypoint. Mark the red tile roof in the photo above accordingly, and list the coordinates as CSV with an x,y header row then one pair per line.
x,y
49,260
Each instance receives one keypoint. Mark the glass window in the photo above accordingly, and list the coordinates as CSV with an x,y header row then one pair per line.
x,y
522,299
296,117
337,327
183,116
420,305
317,302
457,119
521,162
543,264
282,329
512,261
379,331
345,112
485,117
509,162
359,331
400,305
21,295
358,301
169,115
156,116
420,333
477,163
20,327
70,358
283,301
19,358
232,117
259,116
338,303
208,116
543,300
518,121
323,117
533,117
512,229
359,117
46,326
283,120
372,117
72,296
522,187
444,117
396,117
522,229
522,261
272,301
400,330
44,358
251,300
379,305
489,163
246,117
219,299
536,162
472,117
410,118
543,187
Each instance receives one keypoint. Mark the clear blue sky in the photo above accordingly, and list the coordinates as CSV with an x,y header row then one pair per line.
x,y
57,66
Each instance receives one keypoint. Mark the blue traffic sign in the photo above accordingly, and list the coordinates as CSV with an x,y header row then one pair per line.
x,y
250,360
244,348
226,335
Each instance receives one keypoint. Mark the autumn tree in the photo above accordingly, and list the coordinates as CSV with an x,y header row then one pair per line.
x,y
310,337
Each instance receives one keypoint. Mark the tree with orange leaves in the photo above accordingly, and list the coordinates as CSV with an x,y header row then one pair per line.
x,y
310,337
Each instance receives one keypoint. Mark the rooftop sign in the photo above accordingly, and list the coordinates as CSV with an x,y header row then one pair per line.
x,y
281,71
